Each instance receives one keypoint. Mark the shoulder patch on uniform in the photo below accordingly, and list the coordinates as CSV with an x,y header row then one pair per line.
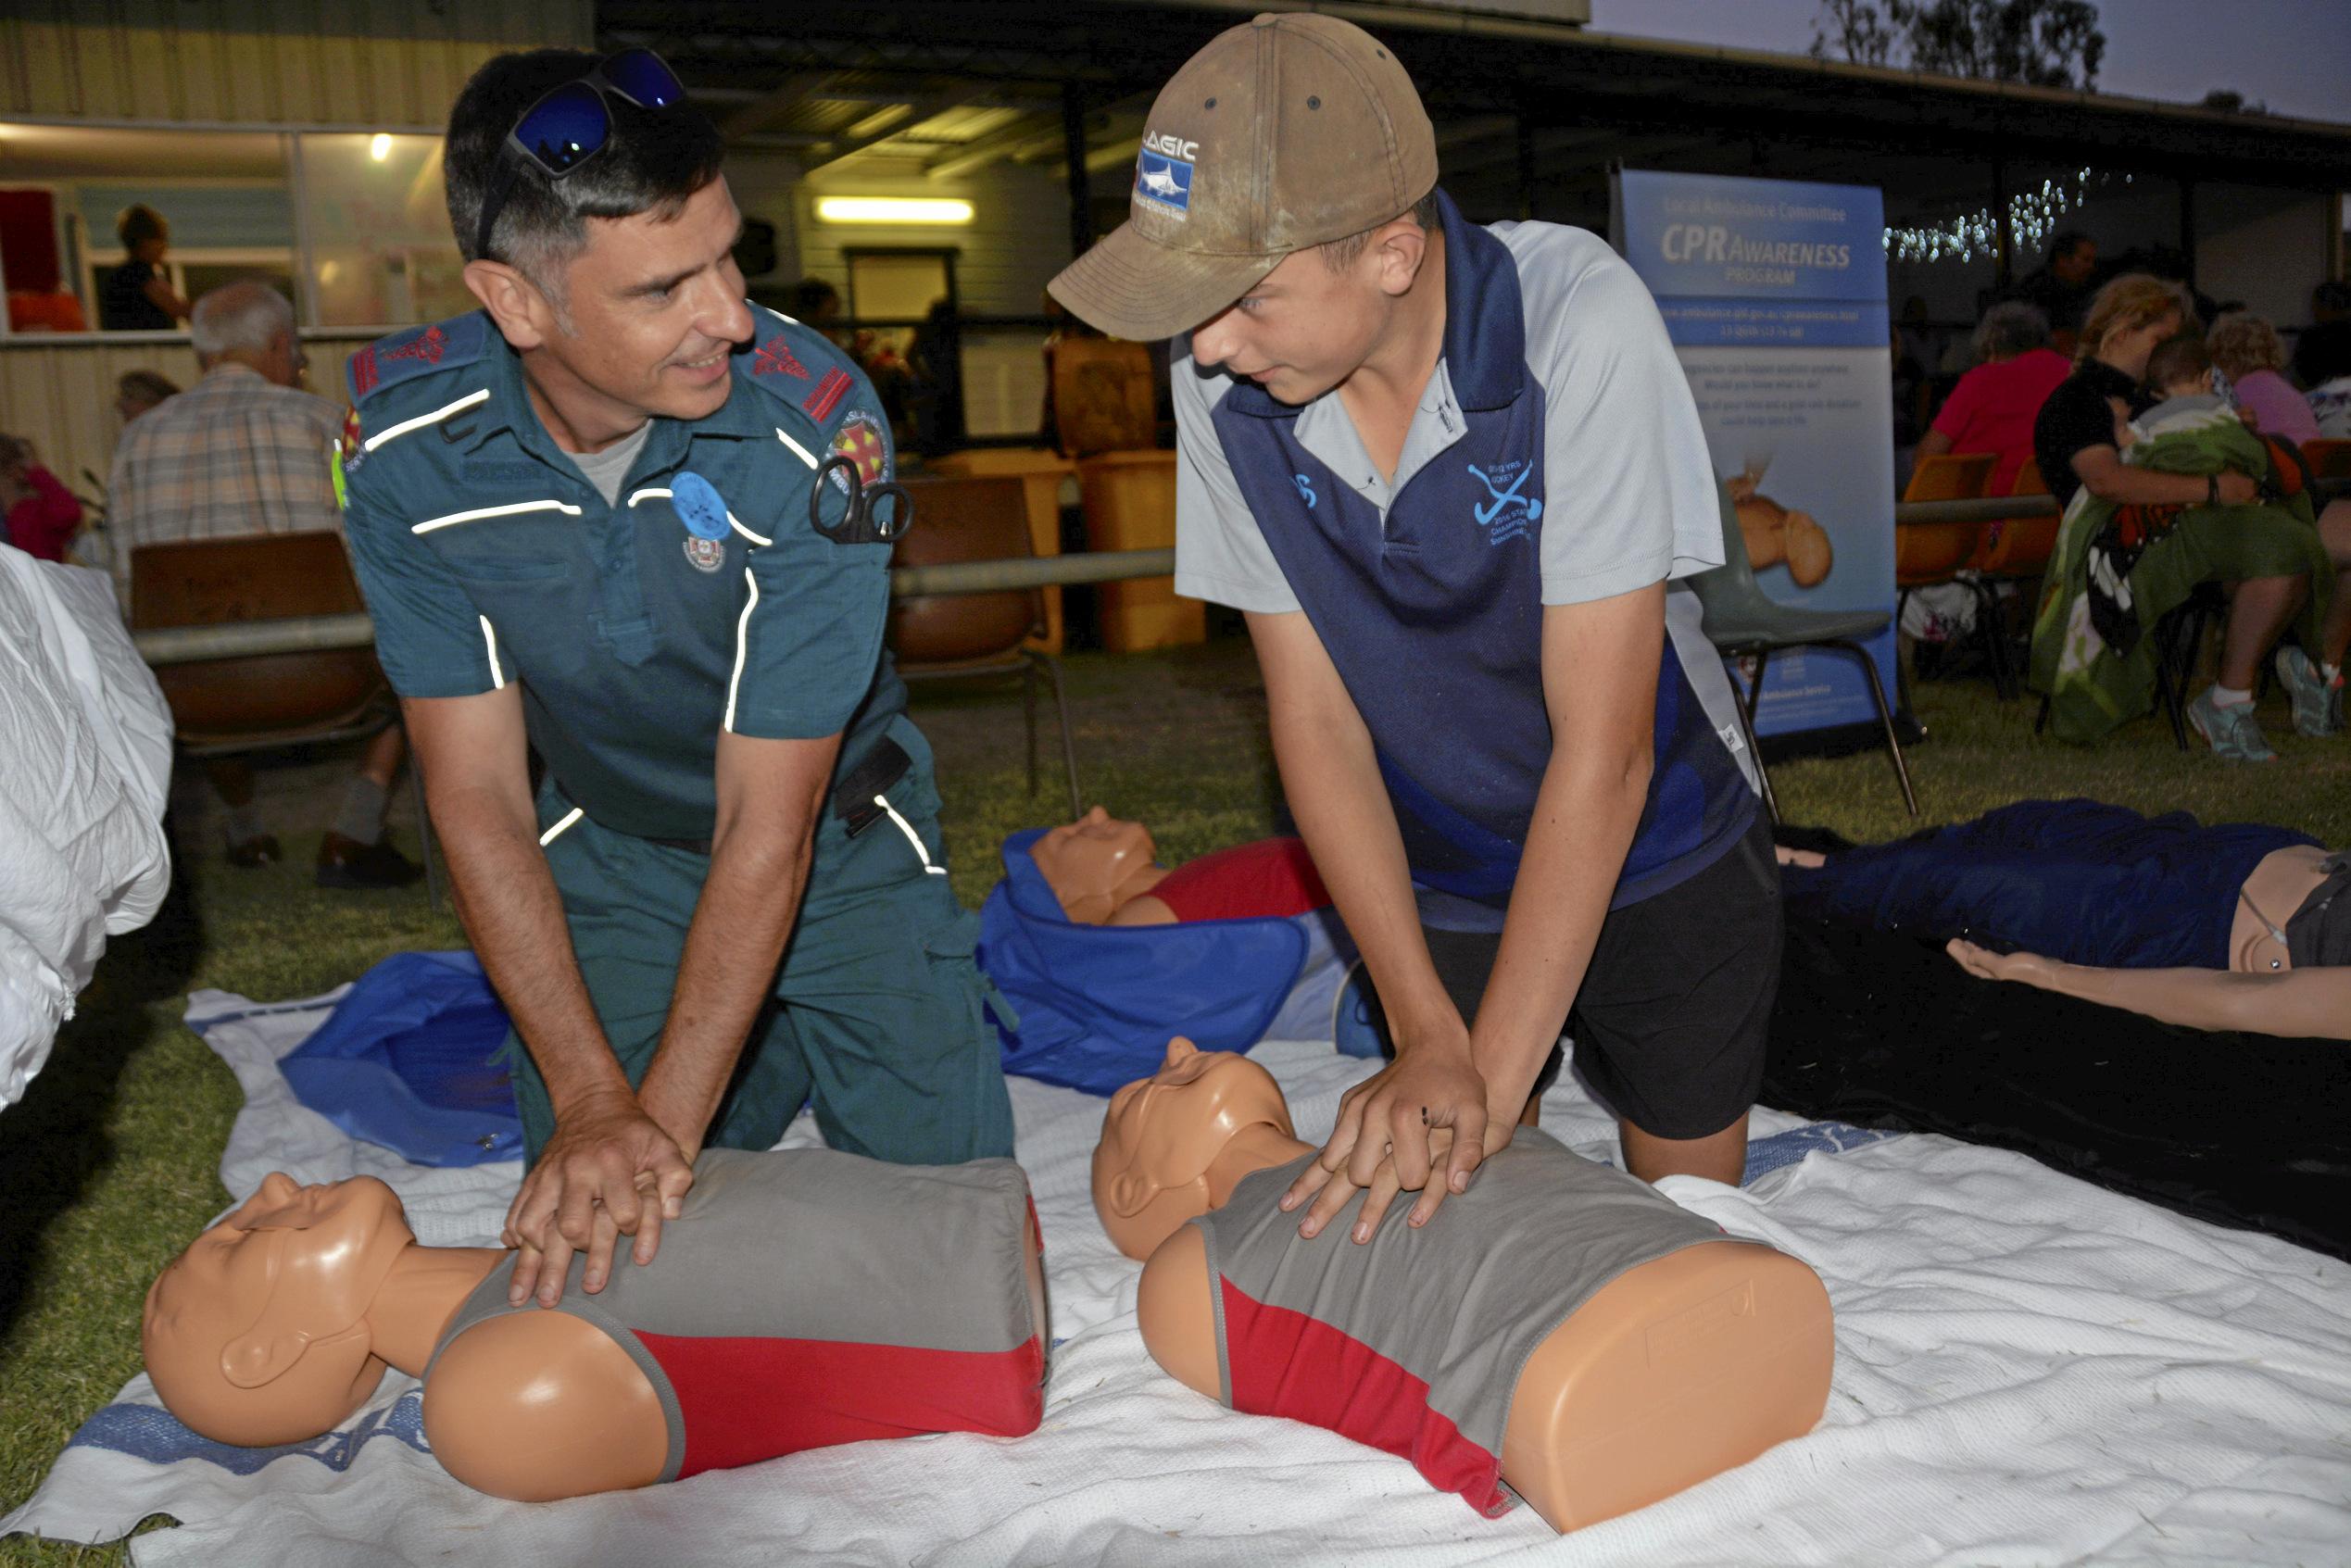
x,y
416,352
796,364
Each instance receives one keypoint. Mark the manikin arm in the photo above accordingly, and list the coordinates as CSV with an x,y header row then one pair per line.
x,y
2298,1003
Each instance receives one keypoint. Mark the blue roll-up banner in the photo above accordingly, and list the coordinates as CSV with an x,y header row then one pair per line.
x,y
1774,293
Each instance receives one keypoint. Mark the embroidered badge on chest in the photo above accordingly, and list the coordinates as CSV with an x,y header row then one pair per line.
x,y
1507,514
708,555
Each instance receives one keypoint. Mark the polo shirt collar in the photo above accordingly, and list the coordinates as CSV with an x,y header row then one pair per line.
x,y
509,410
1485,325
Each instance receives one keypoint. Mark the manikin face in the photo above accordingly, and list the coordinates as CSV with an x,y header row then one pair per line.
x,y
1089,863
1304,329
1160,1134
254,1334
652,308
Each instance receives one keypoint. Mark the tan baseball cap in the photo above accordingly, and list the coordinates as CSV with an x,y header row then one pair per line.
x,y
1289,130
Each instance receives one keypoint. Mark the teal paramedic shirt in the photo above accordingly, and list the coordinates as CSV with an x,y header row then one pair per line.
x,y
487,557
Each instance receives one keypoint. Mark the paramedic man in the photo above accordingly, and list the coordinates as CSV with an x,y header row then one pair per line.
x,y
728,763
1470,458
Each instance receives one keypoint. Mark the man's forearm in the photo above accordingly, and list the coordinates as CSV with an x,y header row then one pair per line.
x,y
749,902
1585,816
506,899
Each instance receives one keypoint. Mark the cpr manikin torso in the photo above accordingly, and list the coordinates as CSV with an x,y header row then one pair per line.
x,y
1561,1325
804,1297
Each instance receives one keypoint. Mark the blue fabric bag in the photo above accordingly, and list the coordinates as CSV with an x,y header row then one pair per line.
x,y
1098,1003
405,1060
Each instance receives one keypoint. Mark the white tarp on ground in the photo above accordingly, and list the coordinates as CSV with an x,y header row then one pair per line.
x,y
2030,1370
85,770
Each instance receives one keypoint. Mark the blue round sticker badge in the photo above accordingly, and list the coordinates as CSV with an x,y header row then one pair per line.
x,y
698,507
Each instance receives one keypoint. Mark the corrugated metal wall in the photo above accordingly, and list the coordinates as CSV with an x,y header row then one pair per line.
x,y
60,396
388,65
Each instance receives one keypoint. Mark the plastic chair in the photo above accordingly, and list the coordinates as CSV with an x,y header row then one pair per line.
x,y
2013,550
224,707
968,636
1744,621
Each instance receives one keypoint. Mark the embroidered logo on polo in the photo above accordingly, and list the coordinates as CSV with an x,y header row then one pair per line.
x,y
827,395
1506,515
1305,488
1163,172
707,555
775,358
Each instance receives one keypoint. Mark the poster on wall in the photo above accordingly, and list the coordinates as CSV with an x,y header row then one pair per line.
x,y
1774,293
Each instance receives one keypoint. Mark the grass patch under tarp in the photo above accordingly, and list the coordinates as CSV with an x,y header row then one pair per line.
x,y
109,1165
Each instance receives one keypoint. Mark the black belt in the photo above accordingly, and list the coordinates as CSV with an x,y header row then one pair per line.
x,y
854,797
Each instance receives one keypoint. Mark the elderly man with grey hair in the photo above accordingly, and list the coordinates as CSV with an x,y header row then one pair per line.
x,y
247,451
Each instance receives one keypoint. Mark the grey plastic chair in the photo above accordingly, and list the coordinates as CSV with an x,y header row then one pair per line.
x,y
1744,621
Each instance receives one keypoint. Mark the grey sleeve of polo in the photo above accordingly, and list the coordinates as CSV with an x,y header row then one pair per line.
x,y
1628,487
1221,554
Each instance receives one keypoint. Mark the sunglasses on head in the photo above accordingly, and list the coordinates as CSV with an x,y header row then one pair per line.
x,y
570,124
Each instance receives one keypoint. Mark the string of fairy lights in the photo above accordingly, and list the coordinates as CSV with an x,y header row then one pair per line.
x,y
2032,219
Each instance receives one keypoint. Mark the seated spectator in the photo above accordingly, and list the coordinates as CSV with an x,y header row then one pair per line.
x,y
139,391
1992,408
2324,350
2323,361
2137,536
245,452
41,515
2159,915
137,297
2248,351
2062,288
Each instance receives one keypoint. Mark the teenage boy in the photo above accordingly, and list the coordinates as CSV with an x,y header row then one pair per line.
x,y
1447,474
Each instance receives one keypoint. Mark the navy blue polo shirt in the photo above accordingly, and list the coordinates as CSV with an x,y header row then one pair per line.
x,y
1555,459
487,557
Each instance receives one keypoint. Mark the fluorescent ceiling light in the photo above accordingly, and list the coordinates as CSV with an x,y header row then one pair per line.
x,y
380,146
892,209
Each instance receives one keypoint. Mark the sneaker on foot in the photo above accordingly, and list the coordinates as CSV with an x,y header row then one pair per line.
x,y
259,850
2318,702
2232,731
347,862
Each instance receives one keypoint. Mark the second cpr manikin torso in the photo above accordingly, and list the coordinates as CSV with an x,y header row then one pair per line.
x,y
1562,1333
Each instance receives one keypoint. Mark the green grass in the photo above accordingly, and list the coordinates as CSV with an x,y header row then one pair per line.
x,y
110,1163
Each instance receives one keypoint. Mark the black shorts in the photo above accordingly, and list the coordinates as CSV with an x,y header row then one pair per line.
x,y
1675,1007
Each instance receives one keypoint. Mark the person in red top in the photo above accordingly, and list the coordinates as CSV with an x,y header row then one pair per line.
x,y
1992,408
43,516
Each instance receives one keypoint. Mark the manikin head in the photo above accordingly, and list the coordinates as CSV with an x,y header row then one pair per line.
x,y
1096,863
258,1334
1162,1133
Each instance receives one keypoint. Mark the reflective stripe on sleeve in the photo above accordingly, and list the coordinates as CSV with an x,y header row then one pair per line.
x,y
742,647
562,826
481,395
490,642
478,513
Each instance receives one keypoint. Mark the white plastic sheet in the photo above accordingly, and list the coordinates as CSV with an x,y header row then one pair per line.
x,y
85,768
2030,1370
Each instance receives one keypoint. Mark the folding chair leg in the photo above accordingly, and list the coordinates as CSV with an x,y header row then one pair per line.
x,y
1028,711
1061,713
1995,638
1763,774
1885,717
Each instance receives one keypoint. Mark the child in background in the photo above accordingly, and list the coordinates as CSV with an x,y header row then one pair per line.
x,y
2180,369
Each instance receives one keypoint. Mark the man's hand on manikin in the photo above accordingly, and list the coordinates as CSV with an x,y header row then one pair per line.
x,y
610,1170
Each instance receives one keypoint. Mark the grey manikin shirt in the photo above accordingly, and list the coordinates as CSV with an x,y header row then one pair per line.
x,y
1457,1305
1630,488
810,1244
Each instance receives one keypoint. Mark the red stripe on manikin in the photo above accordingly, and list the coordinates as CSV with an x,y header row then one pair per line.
x,y
1289,1364
745,1399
